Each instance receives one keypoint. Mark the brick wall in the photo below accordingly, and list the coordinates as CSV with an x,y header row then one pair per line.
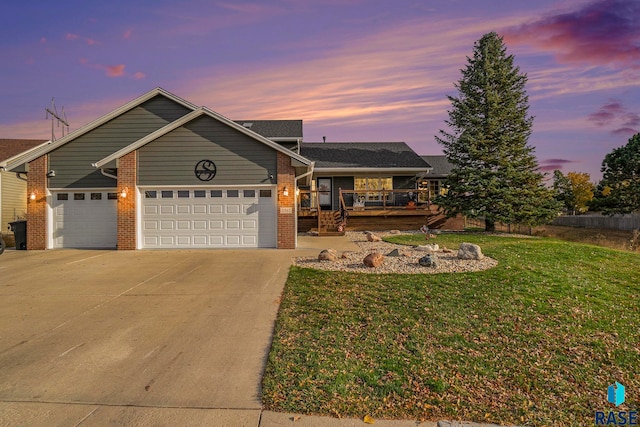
x,y
286,220
37,209
127,205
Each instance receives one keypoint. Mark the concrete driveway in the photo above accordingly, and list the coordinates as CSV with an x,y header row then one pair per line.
x,y
144,337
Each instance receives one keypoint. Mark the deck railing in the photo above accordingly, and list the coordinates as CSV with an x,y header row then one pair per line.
x,y
363,201
386,200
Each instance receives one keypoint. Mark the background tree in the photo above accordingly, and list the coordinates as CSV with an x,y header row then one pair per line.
x,y
495,173
619,190
574,190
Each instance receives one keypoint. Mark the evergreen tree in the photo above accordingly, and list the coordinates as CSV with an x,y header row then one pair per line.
x,y
495,173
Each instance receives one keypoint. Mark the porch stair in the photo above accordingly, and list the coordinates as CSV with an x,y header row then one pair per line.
x,y
328,223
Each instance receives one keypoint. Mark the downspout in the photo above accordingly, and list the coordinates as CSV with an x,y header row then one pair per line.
x,y
107,174
309,172
20,177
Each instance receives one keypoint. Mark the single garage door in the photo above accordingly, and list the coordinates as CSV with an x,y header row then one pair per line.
x,y
85,219
209,218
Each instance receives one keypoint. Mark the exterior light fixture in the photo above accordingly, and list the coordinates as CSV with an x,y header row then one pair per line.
x,y
123,193
32,196
285,191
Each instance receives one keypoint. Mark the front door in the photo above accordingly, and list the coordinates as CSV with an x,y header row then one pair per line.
x,y
324,193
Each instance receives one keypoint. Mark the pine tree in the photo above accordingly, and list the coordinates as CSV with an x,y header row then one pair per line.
x,y
495,173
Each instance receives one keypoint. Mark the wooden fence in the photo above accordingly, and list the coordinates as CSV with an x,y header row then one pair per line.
x,y
615,222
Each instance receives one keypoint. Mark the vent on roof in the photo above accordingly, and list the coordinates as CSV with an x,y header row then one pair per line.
x,y
247,125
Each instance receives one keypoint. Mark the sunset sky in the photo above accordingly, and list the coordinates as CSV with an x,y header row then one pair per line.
x,y
353,70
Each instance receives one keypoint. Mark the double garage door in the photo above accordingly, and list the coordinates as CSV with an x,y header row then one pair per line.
x,y
209,218
170,218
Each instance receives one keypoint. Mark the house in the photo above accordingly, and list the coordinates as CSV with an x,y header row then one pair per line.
x,y
13,187
160,172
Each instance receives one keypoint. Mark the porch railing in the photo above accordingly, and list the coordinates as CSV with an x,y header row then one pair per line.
x,y
358,200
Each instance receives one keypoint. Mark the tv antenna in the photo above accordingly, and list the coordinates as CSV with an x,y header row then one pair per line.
x,y
61,118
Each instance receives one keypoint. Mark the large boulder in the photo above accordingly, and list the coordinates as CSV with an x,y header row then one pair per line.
x,y
470,251
327,255
429,260
373,237
373,260
429,248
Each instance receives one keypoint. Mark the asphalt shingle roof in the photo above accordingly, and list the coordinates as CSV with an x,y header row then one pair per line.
x,y
440,165
274,128
362,155
12,147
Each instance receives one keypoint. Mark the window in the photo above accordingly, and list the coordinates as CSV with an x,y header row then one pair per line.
x,y
199,193
150,194
63,196
265,193
183,194
249,193
78,196
96,196
216,193
112,196
369,187
232,193
167,194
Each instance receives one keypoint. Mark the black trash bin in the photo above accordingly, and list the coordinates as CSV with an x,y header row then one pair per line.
x,y
19,229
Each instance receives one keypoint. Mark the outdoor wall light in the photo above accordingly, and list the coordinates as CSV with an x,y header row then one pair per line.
x,y
285,191
51,173
123,193
32,196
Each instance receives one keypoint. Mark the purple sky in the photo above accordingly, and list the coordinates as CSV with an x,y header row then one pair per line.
x,y
353,70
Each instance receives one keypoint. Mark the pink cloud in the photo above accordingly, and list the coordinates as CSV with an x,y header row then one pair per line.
x,y
110,70
607,113
127,34
139,75
114,70
87,40
602,32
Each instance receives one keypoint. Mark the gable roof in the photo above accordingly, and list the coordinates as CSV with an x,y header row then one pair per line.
x,y
274,129
52,145
10,148
440,165
363,156
202,111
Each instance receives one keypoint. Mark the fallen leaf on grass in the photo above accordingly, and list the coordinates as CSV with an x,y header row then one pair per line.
x,y
368,420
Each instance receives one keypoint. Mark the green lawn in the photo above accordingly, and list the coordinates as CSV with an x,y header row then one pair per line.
x,y
534,341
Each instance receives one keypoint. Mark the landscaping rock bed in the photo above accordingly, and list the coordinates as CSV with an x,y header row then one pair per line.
x,y
406,263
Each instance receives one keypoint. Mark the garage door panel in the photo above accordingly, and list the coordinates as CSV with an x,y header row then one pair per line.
x,y
210,218
84,219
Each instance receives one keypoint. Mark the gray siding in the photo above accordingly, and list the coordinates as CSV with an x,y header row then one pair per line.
x,y
346,183
401,183
239,159
72,161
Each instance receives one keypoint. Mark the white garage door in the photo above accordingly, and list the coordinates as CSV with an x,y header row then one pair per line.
x,y
209,218
85,219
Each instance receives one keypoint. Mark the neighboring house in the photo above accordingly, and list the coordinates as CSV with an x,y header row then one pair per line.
x,y
160,172
435,181
13,188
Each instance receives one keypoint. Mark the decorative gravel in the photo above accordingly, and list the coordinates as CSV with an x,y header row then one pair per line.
x,y
405,264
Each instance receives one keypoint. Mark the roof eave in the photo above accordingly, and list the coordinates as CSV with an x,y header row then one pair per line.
x,y
186,119
52,145
370,170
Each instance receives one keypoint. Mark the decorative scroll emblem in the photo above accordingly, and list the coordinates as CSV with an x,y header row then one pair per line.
x,y
205,170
